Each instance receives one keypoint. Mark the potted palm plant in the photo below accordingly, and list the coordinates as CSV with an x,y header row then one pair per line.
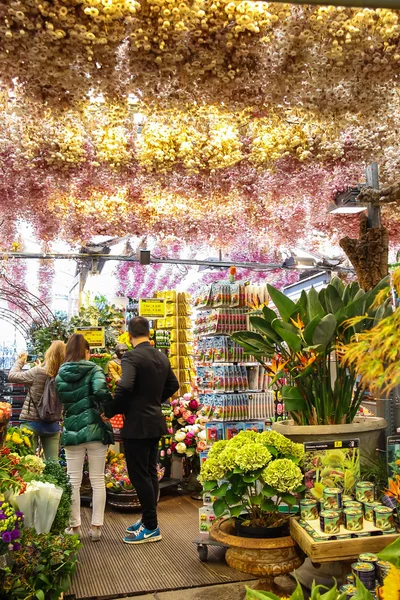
x,y
306,340
252,476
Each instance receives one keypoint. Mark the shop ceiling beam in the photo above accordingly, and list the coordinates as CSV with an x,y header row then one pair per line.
x,y
168,261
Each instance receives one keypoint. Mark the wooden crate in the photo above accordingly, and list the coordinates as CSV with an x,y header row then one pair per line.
x,y
337,550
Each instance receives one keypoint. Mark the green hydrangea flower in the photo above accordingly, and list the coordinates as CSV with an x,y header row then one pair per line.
x,y
244,437
252,456
217,448
228,458
283,475
211,470
298,451
279,441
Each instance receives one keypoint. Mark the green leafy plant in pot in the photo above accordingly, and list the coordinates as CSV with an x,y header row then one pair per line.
x,y
251,476
306,341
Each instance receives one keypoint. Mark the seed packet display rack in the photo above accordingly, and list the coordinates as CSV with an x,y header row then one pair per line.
x,y
232,387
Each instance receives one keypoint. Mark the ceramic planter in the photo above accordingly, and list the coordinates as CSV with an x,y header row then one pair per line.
x,y
367,429
264,558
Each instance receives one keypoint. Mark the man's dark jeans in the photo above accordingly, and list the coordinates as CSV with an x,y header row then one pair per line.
x,y
141,459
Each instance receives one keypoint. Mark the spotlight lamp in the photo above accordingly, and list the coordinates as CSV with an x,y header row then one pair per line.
x,y
346,203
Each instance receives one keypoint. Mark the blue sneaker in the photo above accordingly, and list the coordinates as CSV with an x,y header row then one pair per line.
x,y
135,527
143,535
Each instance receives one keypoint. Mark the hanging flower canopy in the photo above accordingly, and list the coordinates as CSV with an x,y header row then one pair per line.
x,y
211,121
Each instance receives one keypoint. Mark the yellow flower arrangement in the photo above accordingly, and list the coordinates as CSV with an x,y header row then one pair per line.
x,y
391,585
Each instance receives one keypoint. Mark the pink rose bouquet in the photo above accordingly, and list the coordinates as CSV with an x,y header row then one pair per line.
x,y
189,440
185,410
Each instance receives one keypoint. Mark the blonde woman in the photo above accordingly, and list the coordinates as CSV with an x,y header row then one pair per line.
x,y
35,379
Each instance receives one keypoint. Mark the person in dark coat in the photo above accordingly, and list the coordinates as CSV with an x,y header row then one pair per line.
x,y
147,381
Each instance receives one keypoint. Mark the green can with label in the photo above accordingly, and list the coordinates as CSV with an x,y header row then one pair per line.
x,y
365,491
369,510
347,498
352,504
333,498
309,510
383,518
353,519
330,521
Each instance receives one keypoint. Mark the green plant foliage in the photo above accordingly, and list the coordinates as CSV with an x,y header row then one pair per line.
x,y
374,469
43,567
100,314
307,338
392,553
260,472
58,473
41,337
318,592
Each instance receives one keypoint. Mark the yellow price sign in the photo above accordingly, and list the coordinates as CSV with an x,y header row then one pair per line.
x,y
93,335
338,444
152,308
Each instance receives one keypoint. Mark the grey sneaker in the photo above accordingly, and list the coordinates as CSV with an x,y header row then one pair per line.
x,y
95,534
70,531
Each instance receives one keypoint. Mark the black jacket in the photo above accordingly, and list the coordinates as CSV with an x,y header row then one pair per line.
x,y
147,381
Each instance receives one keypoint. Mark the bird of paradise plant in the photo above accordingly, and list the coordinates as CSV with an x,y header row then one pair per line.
x,y
307,339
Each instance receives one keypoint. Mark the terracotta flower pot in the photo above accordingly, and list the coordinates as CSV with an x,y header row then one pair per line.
x,y
265,558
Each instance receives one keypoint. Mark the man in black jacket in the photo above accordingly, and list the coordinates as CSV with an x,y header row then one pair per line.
x,y
147,381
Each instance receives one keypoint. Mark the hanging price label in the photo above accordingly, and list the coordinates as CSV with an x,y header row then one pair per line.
x,y
93,335
152,308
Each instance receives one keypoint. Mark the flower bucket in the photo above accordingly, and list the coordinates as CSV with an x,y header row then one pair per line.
x,y
123,500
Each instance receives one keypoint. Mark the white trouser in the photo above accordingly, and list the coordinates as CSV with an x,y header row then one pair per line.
x,y
75,456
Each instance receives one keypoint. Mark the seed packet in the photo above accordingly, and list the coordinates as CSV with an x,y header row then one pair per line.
x,y
232,429
219,379
234,295
214,432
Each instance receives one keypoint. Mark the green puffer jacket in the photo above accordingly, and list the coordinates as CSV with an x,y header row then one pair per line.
x,y
82,389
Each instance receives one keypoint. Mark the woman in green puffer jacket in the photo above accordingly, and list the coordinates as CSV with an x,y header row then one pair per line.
x,y
82,388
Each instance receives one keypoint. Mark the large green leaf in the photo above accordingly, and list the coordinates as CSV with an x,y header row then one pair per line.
x,y
314,306
236,511
221,490
231,498
219,507
253,342
334,300
269,314
269,491
325,330
293,398
259,595
322,299
362,592
268,506
265,327
209,485
392,553
338,284
288,499
292,339
285,305
308,332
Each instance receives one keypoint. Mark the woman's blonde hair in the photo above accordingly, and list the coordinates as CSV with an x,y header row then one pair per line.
x,y
54,358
